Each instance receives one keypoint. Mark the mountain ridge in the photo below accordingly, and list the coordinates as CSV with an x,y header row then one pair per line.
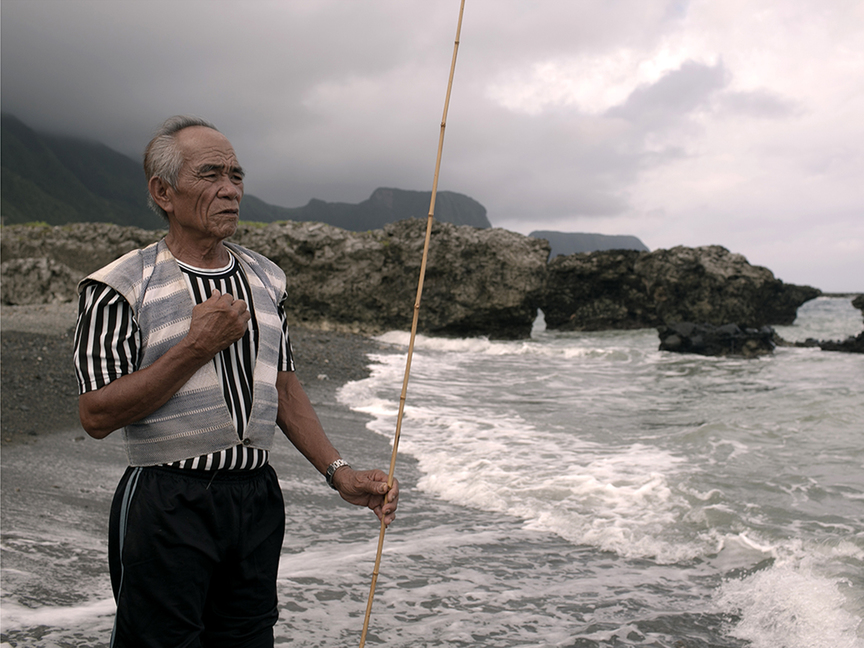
x,y
60,179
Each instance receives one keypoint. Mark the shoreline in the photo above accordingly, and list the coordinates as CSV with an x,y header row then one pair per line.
x,y
39,393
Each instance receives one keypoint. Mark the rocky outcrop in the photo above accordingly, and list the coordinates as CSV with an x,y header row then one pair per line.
x,y
849,345
710,284
478,281
37,281
597,291
852,344
704,339
81,247
707,285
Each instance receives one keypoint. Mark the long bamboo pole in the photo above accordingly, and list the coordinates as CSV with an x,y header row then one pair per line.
x,y
429,220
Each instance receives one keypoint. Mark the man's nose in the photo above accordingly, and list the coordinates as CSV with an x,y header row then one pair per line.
x,y
229,189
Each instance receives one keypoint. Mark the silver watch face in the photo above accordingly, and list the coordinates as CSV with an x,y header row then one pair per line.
x,y
331,470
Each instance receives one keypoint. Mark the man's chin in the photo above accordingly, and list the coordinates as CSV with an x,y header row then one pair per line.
x,y
228,224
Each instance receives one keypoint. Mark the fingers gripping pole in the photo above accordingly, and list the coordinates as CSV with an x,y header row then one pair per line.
x,y
402,396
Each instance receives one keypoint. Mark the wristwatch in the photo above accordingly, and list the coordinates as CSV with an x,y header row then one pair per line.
x,y
331,470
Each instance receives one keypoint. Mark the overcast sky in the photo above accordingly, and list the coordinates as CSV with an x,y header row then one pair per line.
x,y
738,123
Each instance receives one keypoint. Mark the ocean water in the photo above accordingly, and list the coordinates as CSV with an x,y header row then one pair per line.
x,y
573,490
660,499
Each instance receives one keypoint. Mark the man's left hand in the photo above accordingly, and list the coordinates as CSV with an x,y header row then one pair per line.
x,y
368,488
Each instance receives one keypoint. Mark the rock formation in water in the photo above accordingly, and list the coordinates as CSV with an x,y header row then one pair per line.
x,y
852,344
478,282
587,292
705,339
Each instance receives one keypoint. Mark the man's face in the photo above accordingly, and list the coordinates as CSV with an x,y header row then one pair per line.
x,y
206,201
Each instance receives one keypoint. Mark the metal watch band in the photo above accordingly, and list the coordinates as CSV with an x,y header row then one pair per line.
x,y
331,470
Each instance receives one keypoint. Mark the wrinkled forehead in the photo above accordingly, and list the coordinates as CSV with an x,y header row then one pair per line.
x,y
201,145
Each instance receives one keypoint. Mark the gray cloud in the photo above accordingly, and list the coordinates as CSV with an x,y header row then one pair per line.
x,y
673,97
651,107
757,103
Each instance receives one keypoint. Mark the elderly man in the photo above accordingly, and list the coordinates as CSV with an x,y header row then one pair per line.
x,y
185,345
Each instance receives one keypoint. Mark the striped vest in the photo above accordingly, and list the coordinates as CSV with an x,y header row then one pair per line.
x,y
195,421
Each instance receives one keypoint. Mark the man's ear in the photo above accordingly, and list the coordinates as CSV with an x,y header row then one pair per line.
x,y
162,193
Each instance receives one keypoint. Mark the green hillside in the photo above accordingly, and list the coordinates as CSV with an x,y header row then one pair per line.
x,y
61,180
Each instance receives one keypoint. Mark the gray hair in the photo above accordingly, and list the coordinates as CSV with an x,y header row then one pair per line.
x,y
162,157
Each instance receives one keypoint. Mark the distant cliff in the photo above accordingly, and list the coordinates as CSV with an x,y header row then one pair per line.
x,y
382,207
564,243
479,282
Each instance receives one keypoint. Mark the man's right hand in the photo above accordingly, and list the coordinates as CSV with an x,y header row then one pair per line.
x,y
217,323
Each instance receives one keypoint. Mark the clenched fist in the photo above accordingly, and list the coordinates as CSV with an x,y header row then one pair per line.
x,y
218,323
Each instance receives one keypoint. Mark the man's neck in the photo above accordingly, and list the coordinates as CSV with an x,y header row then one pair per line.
x,y
200,254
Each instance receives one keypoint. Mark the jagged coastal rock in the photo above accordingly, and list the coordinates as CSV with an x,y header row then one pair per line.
x,y
712,285
81,247
705,339
596,291
849,345
852,344
478,281
589,292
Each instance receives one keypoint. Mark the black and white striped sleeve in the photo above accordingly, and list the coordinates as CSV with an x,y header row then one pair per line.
x,y
107,338
286,353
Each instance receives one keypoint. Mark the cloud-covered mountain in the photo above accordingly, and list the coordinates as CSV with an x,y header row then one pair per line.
x,y
58,180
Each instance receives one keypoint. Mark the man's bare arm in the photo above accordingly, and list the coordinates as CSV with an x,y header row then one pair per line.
x,y
298,420
216,324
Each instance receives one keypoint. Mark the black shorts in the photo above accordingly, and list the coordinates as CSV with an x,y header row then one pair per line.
x,y
194,557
